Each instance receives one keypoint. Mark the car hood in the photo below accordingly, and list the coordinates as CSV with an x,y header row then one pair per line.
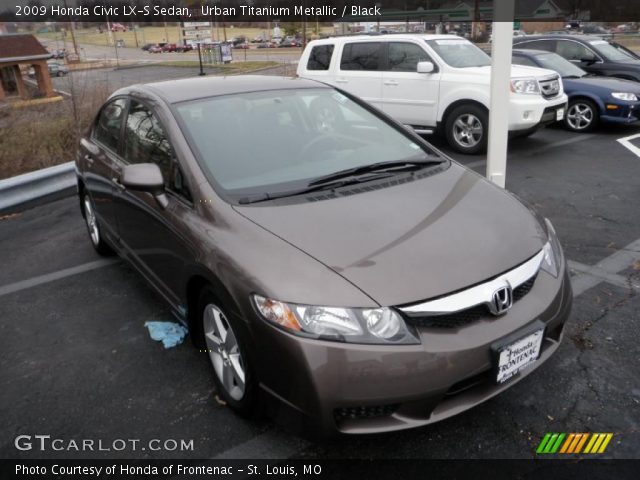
x,y
517,71
604,83
626,64
412,241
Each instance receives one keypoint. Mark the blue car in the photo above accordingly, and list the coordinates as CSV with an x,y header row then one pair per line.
x,y
592,99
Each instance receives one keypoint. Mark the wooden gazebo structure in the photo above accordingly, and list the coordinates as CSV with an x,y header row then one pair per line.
x,y
17,50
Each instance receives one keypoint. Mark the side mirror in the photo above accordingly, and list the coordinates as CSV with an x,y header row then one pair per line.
x,y
425,67
145,177
588,61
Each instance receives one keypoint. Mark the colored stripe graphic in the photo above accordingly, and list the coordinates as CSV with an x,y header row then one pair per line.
x,y
573,443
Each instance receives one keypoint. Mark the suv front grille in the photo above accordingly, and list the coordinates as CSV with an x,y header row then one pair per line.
x,y
469,315
550,88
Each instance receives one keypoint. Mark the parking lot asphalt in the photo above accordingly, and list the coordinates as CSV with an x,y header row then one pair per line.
x,y
77,362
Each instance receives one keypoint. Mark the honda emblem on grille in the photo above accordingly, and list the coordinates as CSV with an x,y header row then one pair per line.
x,y
502,300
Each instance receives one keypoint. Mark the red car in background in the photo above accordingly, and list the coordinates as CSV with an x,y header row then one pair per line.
x,y
170,47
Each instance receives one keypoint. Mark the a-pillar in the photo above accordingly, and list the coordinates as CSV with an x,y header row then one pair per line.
x,y
22,89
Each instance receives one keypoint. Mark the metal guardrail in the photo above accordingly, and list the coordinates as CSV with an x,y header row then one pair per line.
x,y
52,182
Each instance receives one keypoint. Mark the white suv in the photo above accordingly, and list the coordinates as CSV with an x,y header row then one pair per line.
x,y
434,83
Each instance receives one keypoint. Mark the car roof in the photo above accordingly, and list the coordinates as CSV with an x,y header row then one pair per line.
x,y
175,91
530,51
583,38
384,37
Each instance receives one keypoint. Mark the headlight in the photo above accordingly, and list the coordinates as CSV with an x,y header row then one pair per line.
x,y
630,97
525,85
353,325
552,252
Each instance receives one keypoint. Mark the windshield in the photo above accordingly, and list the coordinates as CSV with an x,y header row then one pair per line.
x,y
273,141
610,52
459,53
564,67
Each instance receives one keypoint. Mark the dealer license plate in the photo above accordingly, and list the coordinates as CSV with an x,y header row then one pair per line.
x,y
559,114
517,355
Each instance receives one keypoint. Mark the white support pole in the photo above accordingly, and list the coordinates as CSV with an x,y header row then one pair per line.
x,y
500,85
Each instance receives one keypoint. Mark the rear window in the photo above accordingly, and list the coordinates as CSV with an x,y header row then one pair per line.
x,y
320,57
360,56
548,45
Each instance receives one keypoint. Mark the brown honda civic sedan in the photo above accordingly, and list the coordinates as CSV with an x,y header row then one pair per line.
x,y
333,265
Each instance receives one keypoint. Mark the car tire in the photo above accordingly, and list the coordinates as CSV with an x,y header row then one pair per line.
x,y
466,129
229,355
93,227
582,115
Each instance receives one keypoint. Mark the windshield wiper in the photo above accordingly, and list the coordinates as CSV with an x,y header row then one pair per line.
x,y
350,176
389,166
263,197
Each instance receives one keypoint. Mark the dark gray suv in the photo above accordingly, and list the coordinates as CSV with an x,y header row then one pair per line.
x,y
328,261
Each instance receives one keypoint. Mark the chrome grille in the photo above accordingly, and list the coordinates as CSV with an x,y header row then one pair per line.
x,y
550,88
469,315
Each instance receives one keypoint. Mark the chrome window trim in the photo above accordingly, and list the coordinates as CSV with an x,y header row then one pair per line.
x,y
479,294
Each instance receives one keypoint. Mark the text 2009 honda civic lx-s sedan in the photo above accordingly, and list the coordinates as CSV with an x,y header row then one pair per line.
x,y
330,262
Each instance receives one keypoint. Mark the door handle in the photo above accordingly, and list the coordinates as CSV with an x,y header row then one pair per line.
x,y
342,80
390,83
117,183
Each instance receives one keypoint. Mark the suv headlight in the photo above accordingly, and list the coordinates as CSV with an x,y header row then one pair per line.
x,y
552,252
630,97
525,85
354,325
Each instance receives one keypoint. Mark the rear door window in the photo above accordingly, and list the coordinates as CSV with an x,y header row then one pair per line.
x,y
320,57
404,57
363,56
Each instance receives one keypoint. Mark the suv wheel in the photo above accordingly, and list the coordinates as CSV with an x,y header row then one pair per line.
x,y
466,129
93,227
582,116
228,355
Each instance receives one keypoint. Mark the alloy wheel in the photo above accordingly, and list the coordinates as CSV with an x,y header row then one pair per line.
x,y
92,222
580,116
224,352
467,130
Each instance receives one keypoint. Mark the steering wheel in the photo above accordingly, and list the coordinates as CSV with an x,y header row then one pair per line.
x,y
306,151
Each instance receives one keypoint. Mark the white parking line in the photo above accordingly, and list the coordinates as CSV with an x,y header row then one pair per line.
x,y
603,275
609,266
626,142
50,277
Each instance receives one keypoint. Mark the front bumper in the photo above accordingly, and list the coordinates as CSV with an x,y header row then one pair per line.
x,y
532,111
355,389
621,112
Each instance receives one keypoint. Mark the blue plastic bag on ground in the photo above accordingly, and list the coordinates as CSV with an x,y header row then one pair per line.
x,y
169,333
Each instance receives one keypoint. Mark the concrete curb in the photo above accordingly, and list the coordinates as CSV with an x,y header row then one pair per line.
x,y
36,187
